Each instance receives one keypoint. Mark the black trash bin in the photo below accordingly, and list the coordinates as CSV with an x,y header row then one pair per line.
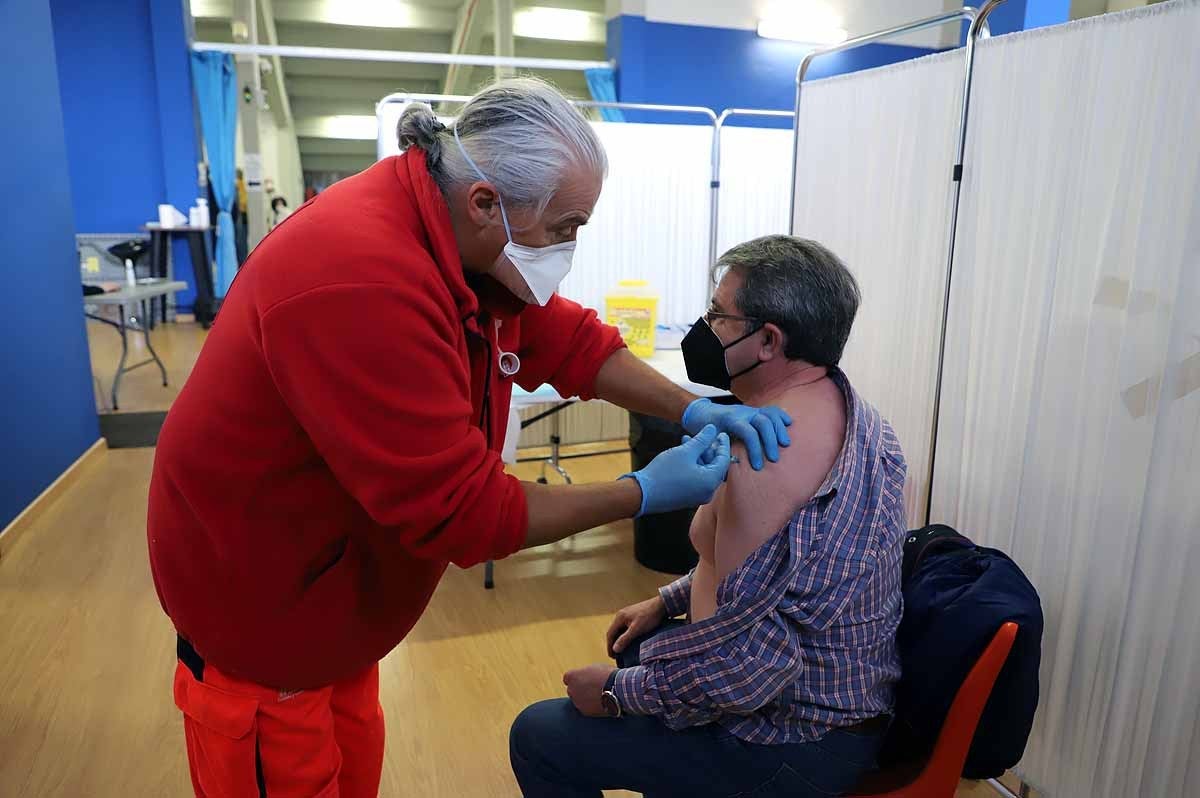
x,y
660,540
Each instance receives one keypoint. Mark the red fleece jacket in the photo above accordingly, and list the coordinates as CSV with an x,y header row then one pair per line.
x,y
336,446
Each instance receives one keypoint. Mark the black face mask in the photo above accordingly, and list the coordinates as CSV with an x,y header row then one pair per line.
x,y
704,355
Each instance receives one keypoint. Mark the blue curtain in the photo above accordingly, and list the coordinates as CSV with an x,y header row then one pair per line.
x,y
602,83
215,77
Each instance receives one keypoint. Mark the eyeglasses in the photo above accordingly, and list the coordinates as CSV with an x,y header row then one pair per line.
x,y
710,315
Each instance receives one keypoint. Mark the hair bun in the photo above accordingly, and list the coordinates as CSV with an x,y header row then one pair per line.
x,y
419,127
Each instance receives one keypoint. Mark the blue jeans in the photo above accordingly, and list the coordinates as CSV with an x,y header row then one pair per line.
x,y
558,753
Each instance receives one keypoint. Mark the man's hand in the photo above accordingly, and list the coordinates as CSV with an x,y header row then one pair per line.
x,y
585,686
634,621
759,429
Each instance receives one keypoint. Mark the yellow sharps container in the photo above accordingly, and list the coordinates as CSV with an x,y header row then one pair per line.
x,y
633,309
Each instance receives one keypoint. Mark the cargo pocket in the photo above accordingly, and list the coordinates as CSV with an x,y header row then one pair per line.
x,y
221,738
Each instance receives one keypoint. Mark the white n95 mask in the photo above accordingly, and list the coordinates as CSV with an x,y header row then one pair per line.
x,y
532,274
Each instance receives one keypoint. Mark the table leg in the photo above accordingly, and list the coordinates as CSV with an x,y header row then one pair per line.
x,y
121,363
489,575
153,354
554,460
157,263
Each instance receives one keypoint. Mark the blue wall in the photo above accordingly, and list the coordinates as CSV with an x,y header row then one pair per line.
x,y
130,122
1018,15
49,410
721,68
1007,17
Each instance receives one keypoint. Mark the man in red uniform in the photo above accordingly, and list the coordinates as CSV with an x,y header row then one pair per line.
x,y
337,444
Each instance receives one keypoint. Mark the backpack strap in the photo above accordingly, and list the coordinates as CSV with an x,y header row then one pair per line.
x,y
923,541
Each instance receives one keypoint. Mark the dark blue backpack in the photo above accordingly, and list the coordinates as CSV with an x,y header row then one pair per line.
x,y
956,596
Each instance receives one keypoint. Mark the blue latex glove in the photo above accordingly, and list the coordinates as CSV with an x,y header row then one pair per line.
x,y
709,454
686,476
760,429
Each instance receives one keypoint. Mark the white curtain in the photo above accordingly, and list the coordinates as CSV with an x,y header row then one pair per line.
x,y
1070,435
874,185
652,220
756,182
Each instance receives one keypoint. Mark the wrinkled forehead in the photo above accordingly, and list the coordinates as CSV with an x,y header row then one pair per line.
x,y
576,195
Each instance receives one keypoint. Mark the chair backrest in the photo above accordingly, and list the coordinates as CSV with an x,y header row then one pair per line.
x,y
942,772
129,250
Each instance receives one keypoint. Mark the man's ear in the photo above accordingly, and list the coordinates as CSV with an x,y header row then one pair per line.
x,y
773,342
483,204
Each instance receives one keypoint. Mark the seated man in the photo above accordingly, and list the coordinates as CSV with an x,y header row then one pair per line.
x,y
781,681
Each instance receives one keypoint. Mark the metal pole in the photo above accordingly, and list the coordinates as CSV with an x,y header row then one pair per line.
x,y
502,39
249,114
397,56
967,12
977,29
404,97
999,787
715,183
682,109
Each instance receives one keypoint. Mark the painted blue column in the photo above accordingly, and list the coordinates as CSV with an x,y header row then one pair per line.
x,y
721,68
1018,15
129,114
626,47
110,109
177,123
1040,13
45,373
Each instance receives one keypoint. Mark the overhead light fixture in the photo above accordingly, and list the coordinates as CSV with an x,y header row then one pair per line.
x,y
344,126
563,24
366,13
210,9
811,25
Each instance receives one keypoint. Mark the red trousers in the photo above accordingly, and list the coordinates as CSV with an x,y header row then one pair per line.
x,y
245,740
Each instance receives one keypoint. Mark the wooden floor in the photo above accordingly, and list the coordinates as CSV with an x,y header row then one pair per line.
x,y
87,656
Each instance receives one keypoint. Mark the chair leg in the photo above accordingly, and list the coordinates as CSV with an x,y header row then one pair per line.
x,y
489,574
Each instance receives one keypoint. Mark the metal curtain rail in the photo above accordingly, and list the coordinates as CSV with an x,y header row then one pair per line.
x,y
707,113
397,56
715,184
966,13
978,20
404,97
978,28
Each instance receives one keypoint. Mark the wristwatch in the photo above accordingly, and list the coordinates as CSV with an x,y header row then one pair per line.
x,y
608,699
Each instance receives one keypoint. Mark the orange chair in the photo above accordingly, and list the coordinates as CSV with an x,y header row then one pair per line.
x,y
938,777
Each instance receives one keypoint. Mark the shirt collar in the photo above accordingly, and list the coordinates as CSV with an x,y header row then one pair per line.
x,y
846,460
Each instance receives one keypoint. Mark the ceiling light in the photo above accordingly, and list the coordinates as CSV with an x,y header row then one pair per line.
x,y
811,24
348,126
564,24
210,9
367,13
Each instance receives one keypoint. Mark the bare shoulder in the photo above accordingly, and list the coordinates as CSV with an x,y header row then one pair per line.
x,y
703,532
754,505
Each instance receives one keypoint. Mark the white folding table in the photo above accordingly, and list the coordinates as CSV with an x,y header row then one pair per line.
x,y
138,297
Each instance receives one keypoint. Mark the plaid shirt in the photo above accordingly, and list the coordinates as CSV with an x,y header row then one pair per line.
x,y
804,637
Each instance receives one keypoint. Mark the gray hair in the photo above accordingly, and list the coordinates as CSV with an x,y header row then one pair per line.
x,y
801,287
521,132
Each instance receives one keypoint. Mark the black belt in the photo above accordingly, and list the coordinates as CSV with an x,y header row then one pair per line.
x,y
189,657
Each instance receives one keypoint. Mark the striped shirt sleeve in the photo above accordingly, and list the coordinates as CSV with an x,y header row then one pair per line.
x,y
677,595
735,677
